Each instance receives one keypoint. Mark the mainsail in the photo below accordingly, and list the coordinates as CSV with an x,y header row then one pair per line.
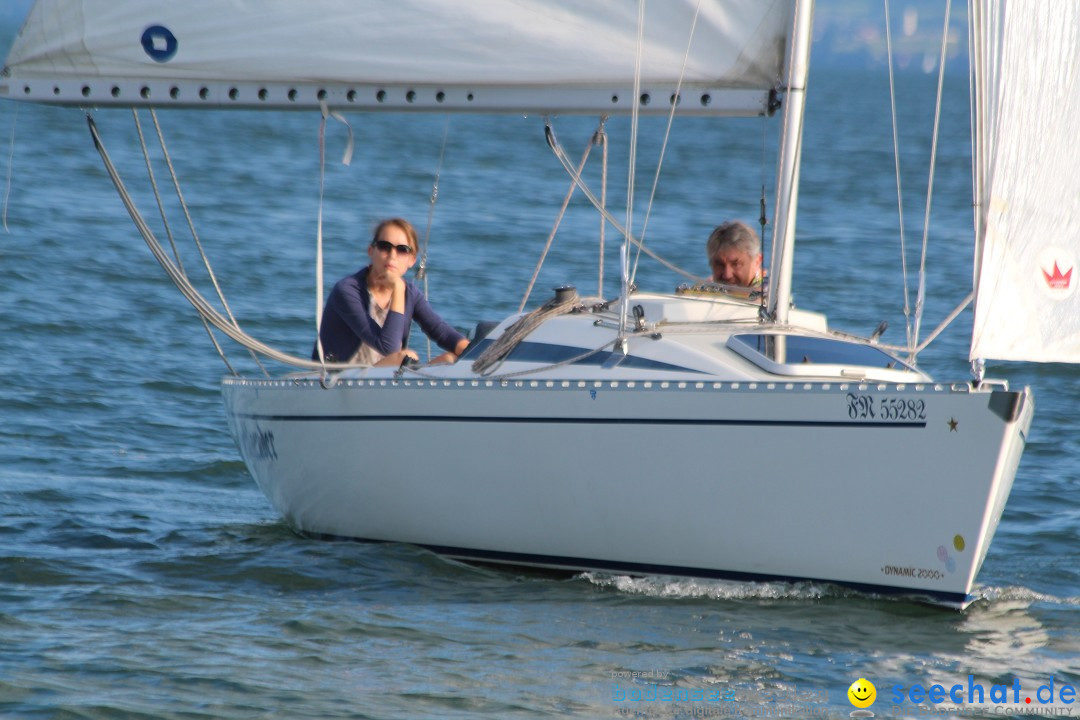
x,y
482,55
1026,103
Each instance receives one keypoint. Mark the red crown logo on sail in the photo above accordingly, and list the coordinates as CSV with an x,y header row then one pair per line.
x,y
1057,281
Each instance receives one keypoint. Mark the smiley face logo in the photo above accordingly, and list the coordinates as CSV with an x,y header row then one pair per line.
x,y
862,693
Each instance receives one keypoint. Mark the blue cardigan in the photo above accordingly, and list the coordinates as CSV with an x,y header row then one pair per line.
x,y
346,321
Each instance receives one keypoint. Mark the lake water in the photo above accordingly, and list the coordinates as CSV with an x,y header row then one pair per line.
x,y
143,575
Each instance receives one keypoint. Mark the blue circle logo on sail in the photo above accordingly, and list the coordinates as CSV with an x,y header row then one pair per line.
x,y
159,43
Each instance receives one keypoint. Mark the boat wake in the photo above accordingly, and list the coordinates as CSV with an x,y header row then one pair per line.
x,y
1019,594
662,586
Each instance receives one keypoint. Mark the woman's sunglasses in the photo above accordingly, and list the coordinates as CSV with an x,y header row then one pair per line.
x,y
386,247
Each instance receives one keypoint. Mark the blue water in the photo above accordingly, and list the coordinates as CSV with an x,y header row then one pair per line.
x,y
142,574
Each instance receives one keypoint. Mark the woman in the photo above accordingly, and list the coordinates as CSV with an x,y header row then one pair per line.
x,y
368,315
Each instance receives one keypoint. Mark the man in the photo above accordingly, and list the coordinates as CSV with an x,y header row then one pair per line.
x,y
734,252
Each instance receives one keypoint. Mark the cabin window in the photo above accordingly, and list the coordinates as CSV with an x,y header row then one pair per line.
x,y
780,353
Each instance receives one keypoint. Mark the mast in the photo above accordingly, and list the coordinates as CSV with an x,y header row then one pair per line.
x,y
787,181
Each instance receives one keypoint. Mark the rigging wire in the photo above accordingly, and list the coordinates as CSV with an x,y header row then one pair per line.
x,y
896,155
675,98
564,160
559,219
920,297
421,271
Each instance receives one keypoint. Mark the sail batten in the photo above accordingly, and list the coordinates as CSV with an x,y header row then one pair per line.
x,y
521,54
1025,64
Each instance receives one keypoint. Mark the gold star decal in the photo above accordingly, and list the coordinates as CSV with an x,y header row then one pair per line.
x,y
952,424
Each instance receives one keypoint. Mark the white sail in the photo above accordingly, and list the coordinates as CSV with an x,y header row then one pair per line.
x,y
508,55
1026,70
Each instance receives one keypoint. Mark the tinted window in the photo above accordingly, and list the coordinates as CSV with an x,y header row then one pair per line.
x,y
799,350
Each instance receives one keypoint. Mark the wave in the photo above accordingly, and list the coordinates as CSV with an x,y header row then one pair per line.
x,y
1019,594
662,586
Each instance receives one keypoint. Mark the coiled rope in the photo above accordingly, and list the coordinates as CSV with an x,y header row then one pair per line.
x,y
497,352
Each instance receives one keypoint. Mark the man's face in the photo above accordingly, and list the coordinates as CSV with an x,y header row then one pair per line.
x,y
734,266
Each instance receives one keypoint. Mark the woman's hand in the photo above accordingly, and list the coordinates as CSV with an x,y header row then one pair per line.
x,y
395,359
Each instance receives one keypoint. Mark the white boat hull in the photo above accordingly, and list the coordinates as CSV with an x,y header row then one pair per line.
x,y
888,488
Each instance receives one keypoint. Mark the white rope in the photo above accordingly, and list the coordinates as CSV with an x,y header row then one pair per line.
x,y
168,228
345,160
921,296
497,352
667,134
195,237
601,138
319,247
154,187
896,155
204,308
187,215
556,366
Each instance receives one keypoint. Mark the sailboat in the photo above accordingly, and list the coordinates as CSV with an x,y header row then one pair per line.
x,y
545,443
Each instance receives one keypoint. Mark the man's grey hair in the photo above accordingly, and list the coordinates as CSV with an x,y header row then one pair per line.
x,y
733,234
